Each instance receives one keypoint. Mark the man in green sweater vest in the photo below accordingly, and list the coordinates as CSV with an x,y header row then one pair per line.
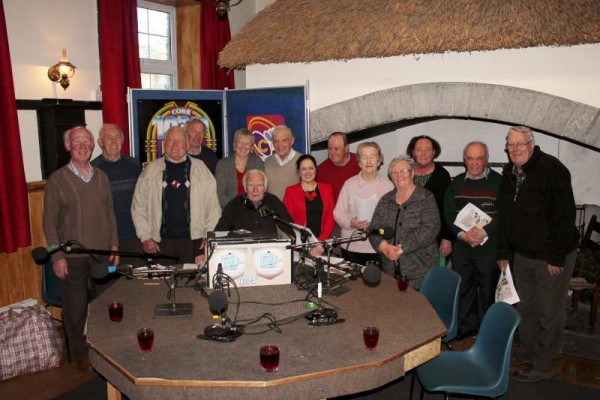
x,y
474,252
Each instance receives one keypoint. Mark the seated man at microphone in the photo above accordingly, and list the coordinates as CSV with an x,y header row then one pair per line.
x,y
78,207
253,211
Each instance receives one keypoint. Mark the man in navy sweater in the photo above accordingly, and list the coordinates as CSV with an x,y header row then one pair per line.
x,y
122,172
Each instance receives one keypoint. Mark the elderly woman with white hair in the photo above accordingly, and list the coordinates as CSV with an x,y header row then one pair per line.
x,y
416,222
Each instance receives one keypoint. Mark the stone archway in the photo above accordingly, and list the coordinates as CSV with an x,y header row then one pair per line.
x,y
564,118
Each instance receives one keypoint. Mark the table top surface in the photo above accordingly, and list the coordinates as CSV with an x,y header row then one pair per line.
x,y
311,360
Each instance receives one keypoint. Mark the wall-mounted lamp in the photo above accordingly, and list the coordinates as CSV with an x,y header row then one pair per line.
x,y
223,6
61,72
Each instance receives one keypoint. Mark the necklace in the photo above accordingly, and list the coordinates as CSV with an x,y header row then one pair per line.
x,y
310,194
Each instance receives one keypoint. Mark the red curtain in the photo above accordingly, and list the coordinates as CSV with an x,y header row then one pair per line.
x,y
215,34
119,60
14,209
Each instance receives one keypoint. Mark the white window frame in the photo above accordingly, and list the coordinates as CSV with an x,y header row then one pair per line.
x,y
150,66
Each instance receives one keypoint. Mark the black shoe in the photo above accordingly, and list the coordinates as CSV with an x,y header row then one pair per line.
x,y
466,334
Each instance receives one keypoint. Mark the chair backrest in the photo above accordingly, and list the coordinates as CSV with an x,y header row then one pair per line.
x,y
50,286
494,341
593,227
441,287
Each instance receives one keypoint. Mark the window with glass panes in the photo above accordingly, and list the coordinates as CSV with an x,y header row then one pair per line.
x,y
158,61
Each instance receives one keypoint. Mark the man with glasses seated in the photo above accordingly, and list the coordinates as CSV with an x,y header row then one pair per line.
x,y
537,228
474,251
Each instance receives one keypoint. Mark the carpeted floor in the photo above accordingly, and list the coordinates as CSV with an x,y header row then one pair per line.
x,y
582,345
548,390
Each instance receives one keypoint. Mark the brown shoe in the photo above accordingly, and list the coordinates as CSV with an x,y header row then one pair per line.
x,y
85,365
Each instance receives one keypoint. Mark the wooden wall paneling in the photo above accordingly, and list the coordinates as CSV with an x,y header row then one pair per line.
x,y
36,217
21,277
188,47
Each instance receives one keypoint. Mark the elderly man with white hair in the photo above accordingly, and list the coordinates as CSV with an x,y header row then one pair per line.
x,y
123,172
537,230
280,167
78,206
175,202
243,211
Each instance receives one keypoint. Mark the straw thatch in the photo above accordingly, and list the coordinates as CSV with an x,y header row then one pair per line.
x,y
320,30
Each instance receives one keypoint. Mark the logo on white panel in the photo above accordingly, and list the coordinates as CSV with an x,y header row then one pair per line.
x,y
268,264
233,263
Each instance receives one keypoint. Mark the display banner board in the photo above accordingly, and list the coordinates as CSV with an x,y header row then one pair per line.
x,y
153,112
261,110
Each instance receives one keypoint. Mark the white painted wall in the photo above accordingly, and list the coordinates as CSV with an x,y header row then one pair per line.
x,y
37,32
39,29
569,72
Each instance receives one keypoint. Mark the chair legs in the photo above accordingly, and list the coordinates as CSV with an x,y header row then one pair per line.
x,y
412,385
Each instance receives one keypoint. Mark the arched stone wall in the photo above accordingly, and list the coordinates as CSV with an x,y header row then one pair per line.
x,y
556,115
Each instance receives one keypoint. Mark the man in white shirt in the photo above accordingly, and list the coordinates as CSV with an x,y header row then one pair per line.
x,y
281,166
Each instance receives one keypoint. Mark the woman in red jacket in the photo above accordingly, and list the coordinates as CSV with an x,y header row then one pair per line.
x,y
310,203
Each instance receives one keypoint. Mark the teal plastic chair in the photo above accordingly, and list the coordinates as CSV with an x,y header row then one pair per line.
x,y
481,370
441,286
51,296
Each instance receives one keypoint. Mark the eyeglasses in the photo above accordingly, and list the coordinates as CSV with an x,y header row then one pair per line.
x,y
401,171
513,146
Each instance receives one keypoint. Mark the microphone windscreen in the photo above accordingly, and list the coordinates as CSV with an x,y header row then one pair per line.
x,y
372,274
388,232
99,271
40,255
217,301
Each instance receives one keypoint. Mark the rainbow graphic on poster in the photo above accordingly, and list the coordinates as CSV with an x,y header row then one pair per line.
x,y
173,114
262,127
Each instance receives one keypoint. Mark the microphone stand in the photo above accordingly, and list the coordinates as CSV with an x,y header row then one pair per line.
x,y
171,309
328,244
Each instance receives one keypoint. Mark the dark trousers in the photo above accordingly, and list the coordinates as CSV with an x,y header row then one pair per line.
x,y
479,273
543,309
185,249
74,293
133,246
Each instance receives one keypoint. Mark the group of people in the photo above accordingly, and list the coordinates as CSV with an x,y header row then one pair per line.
x,y
169,207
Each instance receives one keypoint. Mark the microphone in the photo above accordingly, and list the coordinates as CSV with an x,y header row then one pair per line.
x,y
387,232
265,212
100,271
217,302
371,274
226,331
41,254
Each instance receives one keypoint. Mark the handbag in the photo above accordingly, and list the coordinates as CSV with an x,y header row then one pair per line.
x,y
29,341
